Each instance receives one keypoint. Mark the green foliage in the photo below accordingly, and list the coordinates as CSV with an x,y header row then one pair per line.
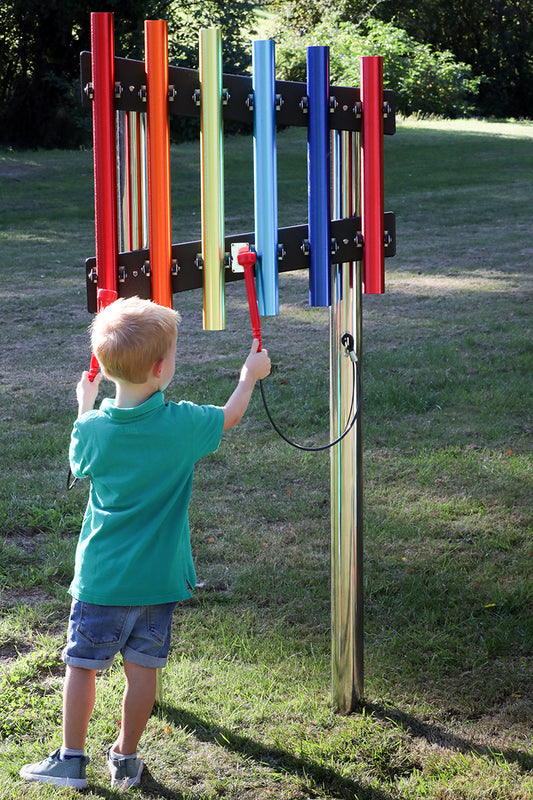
x,y
297,15
40,45
235,21
185,19
494,37
425,82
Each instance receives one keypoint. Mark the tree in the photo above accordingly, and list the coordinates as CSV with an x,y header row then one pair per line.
x,y
40,45
235,20
425,81
495,37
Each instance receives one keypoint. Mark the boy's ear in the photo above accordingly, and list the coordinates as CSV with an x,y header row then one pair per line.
x,y
157,367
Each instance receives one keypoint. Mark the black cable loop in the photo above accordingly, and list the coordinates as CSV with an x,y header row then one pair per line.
x,y
356,386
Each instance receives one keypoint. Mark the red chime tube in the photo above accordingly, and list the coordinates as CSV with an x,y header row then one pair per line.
x,y
105,181
372,203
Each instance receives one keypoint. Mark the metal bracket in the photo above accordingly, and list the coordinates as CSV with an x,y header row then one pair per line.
x,y
235,248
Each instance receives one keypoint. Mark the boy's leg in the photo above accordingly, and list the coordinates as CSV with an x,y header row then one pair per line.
x,y
137,704
145,650
78,704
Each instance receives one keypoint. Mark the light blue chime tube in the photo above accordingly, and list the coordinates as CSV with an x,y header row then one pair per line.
x,y
265,176
318,177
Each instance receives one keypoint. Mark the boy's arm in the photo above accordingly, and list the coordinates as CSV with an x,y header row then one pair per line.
x,y
256,367
86,392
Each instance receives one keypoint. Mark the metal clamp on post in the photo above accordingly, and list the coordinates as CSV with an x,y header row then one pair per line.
x,y
348,343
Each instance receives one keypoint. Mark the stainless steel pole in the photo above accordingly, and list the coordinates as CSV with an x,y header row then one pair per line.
x,y
346,457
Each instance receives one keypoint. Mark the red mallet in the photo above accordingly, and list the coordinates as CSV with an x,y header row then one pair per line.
x,y
247,258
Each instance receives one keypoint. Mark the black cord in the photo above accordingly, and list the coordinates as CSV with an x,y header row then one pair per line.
x,y
348,342
356,387
71,480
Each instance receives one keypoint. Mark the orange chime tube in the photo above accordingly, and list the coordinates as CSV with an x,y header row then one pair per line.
x,y
105,182
160,237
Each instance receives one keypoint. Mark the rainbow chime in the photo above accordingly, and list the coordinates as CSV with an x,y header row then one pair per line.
x,y
343,244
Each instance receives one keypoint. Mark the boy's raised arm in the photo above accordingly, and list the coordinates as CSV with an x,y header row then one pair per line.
x,y
87,392
256,367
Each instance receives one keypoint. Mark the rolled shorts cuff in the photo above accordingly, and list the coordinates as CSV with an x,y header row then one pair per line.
x,y
87,663
143,659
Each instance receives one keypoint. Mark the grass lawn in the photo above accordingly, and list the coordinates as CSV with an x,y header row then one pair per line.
x,y
448,482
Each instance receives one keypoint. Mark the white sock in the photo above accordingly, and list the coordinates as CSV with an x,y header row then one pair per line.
x,y
69,752
121,757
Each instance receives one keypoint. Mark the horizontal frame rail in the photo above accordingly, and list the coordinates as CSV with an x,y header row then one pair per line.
x,y
293,254
185,100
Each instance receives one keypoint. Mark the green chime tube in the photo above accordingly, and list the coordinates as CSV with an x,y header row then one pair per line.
x,y
212,179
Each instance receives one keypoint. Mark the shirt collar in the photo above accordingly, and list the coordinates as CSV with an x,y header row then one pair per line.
x,y
152,404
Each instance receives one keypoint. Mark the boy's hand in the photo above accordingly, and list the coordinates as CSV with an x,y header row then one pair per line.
x,y
255,368
258,363
87,392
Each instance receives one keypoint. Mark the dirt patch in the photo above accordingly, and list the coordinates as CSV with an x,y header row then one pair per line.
x,y
11,652
27,597
25,538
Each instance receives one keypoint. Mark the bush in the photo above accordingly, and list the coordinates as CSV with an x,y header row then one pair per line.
x,y
45,111
425,82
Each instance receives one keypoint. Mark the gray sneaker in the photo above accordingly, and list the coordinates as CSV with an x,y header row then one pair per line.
x,y
70,772
125,772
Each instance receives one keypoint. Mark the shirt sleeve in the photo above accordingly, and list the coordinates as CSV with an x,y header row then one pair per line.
x,y
78,451
207,424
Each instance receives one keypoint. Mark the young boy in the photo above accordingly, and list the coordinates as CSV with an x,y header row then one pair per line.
x,y
133,559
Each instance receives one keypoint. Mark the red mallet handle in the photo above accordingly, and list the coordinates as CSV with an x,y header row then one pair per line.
x,y
247,259
104,297
93,369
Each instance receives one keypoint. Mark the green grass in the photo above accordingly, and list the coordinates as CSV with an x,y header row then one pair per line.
x,y
448,480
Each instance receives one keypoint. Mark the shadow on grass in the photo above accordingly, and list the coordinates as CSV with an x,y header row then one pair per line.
x,y
315,778
434,734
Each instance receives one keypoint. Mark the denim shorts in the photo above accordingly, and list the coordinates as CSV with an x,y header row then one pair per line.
x,y
97,633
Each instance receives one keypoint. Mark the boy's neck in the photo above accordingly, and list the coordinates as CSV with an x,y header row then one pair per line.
x,y
131,395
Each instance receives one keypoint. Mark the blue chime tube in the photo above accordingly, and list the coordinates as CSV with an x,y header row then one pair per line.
x,y
265,177
318,177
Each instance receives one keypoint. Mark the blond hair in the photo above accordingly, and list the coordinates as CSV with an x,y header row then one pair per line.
x,y
130,335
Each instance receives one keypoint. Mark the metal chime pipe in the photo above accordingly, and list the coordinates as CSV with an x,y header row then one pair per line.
x,y
372,174
265,176
318,177
158,145
212,179
105,182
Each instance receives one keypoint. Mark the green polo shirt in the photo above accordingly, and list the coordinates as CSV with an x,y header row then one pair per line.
x,y
134,546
